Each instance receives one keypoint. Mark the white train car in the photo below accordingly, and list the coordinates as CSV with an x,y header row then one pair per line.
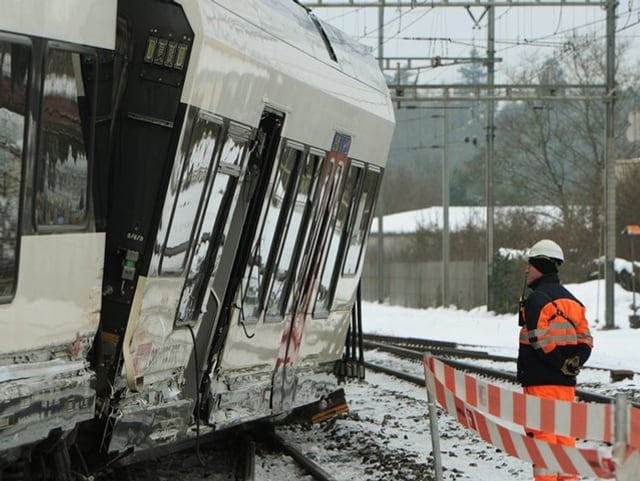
x,y
185,193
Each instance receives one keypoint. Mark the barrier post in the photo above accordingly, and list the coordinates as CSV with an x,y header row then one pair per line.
x,y
620,431
433,418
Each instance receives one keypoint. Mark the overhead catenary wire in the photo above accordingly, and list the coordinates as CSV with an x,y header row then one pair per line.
x,y
540,41
398,17
553,39
441,45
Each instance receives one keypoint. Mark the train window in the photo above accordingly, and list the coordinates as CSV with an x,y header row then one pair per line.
x,y
14,72
195,172
62,169
297,231
345,213
234,147
361,221
213,225
318,216
265,247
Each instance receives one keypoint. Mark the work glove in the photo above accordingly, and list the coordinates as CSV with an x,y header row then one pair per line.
x,y
571,366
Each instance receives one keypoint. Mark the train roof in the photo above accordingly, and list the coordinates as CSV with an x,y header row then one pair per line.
x,y
297,26
280,55
85,22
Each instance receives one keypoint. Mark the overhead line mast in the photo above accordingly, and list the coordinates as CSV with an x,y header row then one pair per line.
x,y
490,92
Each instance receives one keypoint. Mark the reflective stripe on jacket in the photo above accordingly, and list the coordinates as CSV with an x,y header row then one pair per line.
x,y
554,328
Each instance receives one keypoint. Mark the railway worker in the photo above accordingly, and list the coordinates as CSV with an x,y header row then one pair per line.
x,y
555,340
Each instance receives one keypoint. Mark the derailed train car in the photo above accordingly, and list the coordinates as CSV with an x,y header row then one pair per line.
x,y
186,188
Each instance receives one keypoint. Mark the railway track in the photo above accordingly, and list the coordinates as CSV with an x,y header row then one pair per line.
x,y
239,455
436,347
311,452
214,457
414,349
311,467
442,348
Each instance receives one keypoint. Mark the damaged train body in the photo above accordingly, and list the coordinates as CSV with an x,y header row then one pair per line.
x,y
186,188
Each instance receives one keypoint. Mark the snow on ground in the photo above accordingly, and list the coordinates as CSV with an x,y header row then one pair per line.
x,y
386,434
464,456
459,217
614,348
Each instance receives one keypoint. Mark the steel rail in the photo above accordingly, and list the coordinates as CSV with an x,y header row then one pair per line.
x,y
408,352
404,345
409,341
309,465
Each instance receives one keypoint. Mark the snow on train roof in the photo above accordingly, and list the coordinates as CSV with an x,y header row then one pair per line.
x,y
294,24
355,59
270,52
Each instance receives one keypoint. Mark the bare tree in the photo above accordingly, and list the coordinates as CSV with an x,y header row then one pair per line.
x,y
552,152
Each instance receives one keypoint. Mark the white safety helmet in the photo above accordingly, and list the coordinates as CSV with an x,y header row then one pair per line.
x,y
546,249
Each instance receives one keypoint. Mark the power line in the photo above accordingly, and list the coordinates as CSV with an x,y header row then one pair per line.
x,y
491,93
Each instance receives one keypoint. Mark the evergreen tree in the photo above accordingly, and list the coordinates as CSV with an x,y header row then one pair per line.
x,y
474,73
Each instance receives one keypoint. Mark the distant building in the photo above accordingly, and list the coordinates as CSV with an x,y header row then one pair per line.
x,y
432,218
623,166
410,282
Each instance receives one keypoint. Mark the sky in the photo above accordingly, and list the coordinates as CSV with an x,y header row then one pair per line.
x,y
431,30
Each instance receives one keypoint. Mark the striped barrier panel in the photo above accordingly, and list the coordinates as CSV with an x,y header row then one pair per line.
x,y
634,428
584,462
578,419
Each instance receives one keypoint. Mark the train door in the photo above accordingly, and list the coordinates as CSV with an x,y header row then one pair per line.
x,y
212,278
298,306
266,274
212,227
219,199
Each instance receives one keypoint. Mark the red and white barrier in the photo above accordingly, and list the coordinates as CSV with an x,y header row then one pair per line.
x,y
488,409
634,428
578,419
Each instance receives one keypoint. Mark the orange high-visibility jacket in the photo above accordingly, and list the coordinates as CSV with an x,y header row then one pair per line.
x,y
553,328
